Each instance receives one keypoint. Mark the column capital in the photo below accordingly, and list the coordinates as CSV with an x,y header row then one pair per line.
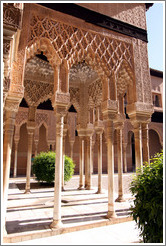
x,y
60,101
99,127
16,141
118,125
110,108
31,127
85,132
12,104
140,111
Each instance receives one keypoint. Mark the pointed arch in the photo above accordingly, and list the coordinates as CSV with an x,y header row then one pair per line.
x,y
45,45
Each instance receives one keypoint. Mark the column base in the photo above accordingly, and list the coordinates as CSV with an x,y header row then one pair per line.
x,y
99,192
120,199
88,188
111,214
56,224
62,189
27,191
81,187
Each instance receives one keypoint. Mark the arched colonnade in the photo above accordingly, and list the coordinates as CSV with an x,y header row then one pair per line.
x,y
111,60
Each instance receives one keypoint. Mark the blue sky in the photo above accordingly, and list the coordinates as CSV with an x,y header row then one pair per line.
x,y
154,17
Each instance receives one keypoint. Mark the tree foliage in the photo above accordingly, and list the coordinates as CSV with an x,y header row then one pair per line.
x,y
147,187
44,167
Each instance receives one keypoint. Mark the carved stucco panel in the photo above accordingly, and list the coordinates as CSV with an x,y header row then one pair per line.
x,y
36,92
147,90
21,117
135,15
138,70
95,92
41,117
74,44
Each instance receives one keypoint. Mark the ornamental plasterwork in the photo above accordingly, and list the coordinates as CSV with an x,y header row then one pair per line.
x,y
138,71
133,15
42,117
75,96
39,70
123,80
81,72
95,92
6,46
75,44
37,92
145,74
11,15
21,116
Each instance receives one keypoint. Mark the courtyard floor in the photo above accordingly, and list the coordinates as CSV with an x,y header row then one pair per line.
x,y
29,215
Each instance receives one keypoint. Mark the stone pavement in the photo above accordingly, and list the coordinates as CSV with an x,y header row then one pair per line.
x,y
30,215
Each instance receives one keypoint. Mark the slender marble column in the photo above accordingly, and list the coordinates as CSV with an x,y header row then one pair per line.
x,y
89,162
138,144
58,172
71,149
110,160
120,165
16,141
7,148
86,162
63,161
99,145
36,146
145,142
30,129
124,158
81,163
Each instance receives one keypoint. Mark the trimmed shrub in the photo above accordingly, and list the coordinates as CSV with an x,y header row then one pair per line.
x,y
147,187
44,167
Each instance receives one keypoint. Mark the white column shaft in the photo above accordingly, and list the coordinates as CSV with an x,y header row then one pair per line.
x,y
81,163
29,155
120,165
110,160
138,146
100,163
15,160
58,172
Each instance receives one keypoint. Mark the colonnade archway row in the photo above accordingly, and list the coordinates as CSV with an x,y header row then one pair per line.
x,y
93,72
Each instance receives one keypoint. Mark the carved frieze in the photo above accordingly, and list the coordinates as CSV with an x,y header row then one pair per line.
x,y
11,16
95,92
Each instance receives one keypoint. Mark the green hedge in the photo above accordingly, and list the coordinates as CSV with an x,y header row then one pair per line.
x,y
147,187
44,167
